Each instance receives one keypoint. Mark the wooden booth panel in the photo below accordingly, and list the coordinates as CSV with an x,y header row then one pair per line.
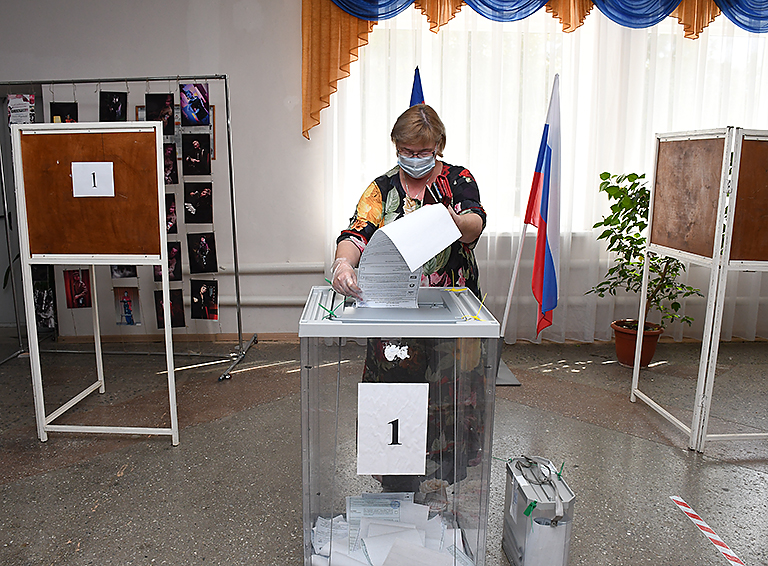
x,y
60,223
686,194
750,237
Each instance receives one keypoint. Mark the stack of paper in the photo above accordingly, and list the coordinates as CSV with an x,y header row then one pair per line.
x,y
389,272
387,529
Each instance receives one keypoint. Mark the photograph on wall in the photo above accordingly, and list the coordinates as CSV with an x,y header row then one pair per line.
x,y
21,108
195,106
160,108
44,285
122,271
177,309
127,309
170,164
77,285
205,299
171,221
45,313
174,263
113,106
63,112
196,154
202,253
198,203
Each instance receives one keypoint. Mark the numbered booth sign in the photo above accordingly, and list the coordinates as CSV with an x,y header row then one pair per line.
x,y
392,428
93,179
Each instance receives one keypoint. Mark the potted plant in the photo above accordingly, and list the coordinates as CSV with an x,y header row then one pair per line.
x,y
624,231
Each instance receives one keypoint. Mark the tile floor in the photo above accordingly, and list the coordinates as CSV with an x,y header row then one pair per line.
x,y
230,493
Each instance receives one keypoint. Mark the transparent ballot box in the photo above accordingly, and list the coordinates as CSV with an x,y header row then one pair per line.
x,y
397,418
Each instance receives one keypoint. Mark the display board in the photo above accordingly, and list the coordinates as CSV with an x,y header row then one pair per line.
x,y
750,240
61,223
686,194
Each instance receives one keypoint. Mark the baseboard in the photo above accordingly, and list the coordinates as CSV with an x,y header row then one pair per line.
x,y
230,337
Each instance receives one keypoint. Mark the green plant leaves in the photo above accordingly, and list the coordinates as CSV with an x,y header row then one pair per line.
x,y
624,233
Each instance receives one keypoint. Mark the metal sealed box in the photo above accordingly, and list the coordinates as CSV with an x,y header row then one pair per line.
x,y
538,514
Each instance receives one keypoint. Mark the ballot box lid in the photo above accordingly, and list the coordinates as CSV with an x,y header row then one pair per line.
x,y
443,312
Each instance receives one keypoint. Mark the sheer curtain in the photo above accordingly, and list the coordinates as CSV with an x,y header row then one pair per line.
x,y
490,82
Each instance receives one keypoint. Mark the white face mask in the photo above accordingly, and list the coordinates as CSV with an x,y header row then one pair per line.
x,y
416,167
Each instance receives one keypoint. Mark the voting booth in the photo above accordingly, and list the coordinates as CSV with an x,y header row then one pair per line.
x,y
91,194
708,208
397,415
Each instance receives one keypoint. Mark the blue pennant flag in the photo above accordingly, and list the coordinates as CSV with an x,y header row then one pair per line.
x,y
417,95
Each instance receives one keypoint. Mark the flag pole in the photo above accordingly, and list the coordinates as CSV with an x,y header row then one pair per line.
x,y
536,213
514,279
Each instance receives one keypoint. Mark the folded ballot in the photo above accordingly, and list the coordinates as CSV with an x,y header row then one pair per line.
x,y
389,272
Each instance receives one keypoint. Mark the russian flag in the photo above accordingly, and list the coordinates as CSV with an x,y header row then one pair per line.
x,y
417,94
544,213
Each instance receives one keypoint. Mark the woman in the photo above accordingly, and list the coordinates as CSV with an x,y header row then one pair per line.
x,y
419,179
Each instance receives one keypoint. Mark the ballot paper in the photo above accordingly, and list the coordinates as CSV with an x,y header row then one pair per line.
x,y
389,272
412,516
338,554
324,529
377,548
434,533
404,553
382,506
461,558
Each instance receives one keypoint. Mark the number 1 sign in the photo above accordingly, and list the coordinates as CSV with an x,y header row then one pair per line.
x,y
93,179
392,428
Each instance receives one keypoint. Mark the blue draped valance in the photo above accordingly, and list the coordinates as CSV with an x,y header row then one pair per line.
x,y
751,15
505,10
373,10
636,14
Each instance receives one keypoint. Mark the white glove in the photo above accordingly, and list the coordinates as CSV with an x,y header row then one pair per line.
x,y
345,278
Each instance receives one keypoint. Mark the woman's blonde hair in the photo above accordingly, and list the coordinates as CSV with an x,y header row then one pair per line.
x,y
419,125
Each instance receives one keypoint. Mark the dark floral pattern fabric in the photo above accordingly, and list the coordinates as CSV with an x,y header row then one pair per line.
x,y
385,200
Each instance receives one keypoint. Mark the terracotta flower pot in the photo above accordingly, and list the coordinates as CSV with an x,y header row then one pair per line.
x,y
626,338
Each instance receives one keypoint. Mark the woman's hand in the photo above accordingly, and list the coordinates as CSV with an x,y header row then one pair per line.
x,y
469,224
345,278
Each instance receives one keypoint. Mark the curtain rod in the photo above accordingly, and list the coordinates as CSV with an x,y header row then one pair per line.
x,y
115,80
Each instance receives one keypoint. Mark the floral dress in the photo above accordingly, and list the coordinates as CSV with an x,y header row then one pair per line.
x,y
452,367
385,200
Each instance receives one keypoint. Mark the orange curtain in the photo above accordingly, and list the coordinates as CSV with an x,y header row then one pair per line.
x,y
331,38
695,15
571,13
438,12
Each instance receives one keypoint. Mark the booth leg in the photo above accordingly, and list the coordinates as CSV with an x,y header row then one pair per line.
x,y
97,332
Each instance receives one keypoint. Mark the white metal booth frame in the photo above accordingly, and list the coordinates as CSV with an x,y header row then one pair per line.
x,y
717,257
83,253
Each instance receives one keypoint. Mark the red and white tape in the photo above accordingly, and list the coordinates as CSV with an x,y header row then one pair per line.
x,y
707,530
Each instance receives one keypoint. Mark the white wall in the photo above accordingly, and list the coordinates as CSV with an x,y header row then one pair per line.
x,y
257,43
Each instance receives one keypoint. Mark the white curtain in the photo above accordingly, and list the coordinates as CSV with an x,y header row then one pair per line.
x,y
490,82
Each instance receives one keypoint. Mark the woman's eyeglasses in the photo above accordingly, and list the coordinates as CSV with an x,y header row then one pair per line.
x,y
423,153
